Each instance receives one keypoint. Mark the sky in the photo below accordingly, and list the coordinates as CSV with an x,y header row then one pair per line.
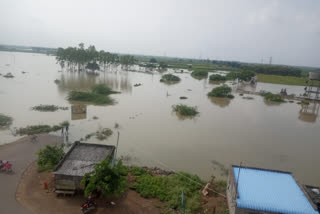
x,y
238,30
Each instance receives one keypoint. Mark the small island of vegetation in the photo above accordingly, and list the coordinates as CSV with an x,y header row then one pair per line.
x,y
170,78
38,129
217,77
221,91
199,74
272,97
185,110
5,121
98,95
101,134
48,108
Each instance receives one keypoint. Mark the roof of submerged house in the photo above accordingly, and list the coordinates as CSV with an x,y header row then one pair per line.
x,y
271,191
82,157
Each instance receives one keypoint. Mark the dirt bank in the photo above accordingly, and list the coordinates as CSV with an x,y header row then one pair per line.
x,y
20,153
31,194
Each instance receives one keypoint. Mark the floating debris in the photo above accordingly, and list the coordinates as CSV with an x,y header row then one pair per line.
x,y
57,81
183,98
248,98
138,84
95,117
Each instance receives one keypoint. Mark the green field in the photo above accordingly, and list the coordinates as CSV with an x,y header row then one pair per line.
x,y
285,80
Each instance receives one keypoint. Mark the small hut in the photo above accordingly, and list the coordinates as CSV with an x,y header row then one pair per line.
x,y
79,160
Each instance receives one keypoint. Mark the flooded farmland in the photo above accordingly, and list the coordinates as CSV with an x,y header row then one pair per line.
x,y
226,132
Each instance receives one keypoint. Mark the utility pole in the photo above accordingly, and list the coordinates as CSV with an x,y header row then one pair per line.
x,y
270,61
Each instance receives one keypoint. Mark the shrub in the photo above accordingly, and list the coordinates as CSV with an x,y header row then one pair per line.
x,y
101,89
138,171
48,108
5,120
221,91
111,181
217,77
170,78
89,97
49,157
169,188
272,97
304,102
200,74
243,75
38,129
103,133
185,110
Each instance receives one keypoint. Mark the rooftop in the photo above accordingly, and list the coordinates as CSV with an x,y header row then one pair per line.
x,y
82,157
272,191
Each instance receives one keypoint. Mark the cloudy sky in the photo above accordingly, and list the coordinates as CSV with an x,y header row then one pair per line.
x,y
242,30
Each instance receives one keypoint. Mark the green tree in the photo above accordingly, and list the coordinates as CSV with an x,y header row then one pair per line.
x,y
111,181
49,157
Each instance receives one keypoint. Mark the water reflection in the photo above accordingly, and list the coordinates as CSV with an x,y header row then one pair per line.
x,y
117,80
78,112
219,101
309,113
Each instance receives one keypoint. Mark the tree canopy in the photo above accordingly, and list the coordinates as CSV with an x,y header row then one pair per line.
x,y
49,157
110,181
90,58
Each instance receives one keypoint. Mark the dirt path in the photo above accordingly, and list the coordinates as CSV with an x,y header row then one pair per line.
x,y
33,196
20,153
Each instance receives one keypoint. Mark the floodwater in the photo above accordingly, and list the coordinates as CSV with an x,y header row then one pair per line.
x,y
256,133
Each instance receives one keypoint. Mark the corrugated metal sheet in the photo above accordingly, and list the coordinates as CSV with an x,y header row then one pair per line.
x,y
271,191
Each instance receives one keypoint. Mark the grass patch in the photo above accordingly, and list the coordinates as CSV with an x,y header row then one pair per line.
x,y
304,102
217,77
38,129
221,91
5,121
285,80
170,78
98,95
102,89
185,110
200,74
272,97
169,189
99,99
48,108
101,134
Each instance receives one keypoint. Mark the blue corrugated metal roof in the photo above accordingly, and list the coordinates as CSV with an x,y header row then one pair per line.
x,y
271,191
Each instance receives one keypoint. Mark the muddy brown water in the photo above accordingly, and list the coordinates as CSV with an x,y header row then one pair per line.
x,y
226,131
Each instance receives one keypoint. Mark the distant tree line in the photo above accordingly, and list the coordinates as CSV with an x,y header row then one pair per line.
x,y
82,58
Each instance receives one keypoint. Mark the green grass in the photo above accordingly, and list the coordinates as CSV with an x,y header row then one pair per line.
x,y
221,91
5,121
285,80
217,77
272,97
98,99
38,129
185,110
102,89
200,74
169,189
48,108
170,78
101,134
98,95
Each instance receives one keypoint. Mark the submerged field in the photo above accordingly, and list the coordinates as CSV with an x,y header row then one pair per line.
x,y
225,132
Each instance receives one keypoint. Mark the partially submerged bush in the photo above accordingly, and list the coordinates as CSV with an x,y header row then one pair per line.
x,y
305,102
38,129
221,91
89,97
49,157
5,120
48,108
98,95
169,189
101,134
8,75
200,74
185,110
272,97
170,78
102,89
217,77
